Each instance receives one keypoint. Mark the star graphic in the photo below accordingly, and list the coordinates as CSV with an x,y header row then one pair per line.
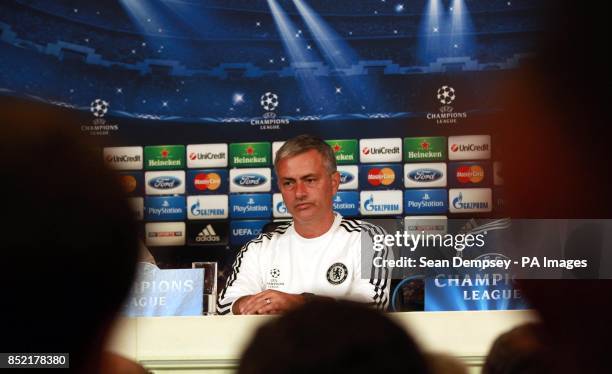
x,y
165,153
425,145
337,147
250,150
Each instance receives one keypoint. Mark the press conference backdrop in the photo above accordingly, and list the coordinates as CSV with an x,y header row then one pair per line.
x,y
192,99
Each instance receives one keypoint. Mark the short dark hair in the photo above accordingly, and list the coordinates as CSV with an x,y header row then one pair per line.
x,y
522,350
326,336
304,143
70,243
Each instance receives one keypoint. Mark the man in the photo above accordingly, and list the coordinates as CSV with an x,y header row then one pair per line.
x,y
317,254
69,243
319,338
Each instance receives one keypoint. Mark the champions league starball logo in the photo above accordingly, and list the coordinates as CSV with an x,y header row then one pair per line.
x,y
99,127
99,108
269,101
446,95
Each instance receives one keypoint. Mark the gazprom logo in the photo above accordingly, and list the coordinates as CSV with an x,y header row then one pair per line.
x,y
381,202
248,180
371,206
197,210
425,175
207,207
165,183
470,200
280,208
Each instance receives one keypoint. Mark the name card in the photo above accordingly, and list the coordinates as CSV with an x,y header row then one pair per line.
x,y
172,292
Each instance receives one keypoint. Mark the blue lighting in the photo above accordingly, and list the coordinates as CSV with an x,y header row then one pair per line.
x,y
461,35
445,32
338,54
430,35
300,53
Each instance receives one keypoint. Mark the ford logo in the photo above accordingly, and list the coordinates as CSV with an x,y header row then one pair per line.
x,y
424,175
346,177
250,180
165,183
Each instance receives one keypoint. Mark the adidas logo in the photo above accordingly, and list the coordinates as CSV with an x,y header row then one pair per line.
x,y
208,235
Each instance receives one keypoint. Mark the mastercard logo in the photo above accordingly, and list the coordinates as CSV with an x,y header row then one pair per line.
x,y
384,176
210,181
470,174
128,183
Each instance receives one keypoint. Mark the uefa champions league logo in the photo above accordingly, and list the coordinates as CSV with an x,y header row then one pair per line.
x,y
99,126
269,101
99,108
446,95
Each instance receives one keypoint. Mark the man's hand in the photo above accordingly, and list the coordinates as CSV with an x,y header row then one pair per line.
x,y
268,302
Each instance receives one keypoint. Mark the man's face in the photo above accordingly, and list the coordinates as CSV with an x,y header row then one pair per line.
x,y
307,186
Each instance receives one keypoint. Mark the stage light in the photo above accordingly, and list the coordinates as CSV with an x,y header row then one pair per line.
x,y
339,56
429,35
238,98
299,53
287,29
334,48
461,35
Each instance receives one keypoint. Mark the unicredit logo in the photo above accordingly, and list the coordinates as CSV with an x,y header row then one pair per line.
x,y
206,156
248,180
380,151
164,183
469,147
122,158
